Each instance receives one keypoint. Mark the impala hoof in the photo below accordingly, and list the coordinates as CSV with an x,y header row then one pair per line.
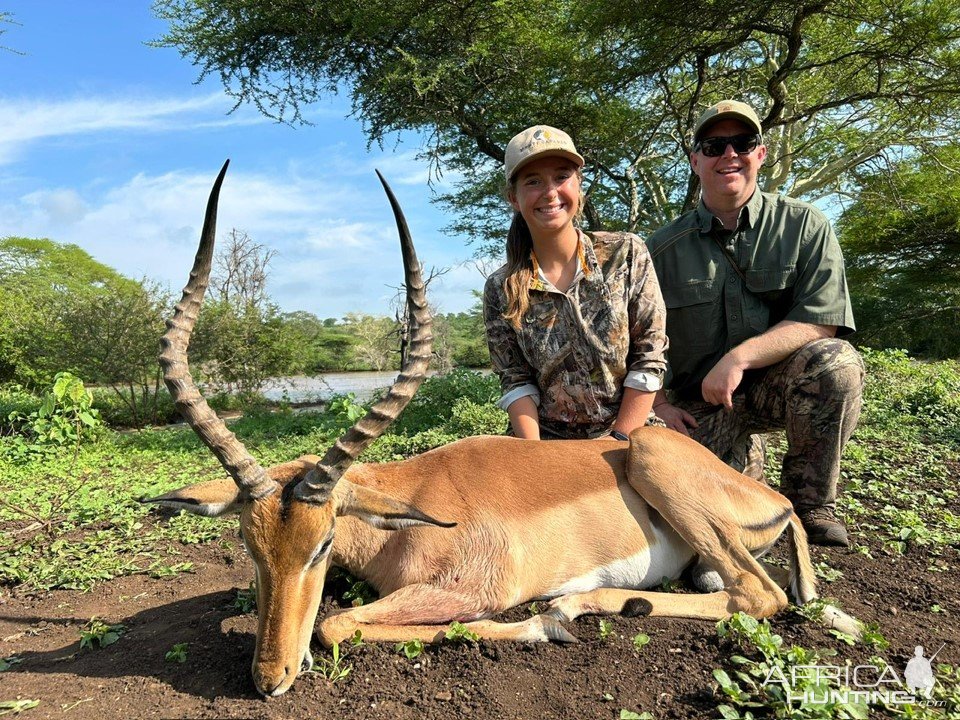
x,y
551,630
562,610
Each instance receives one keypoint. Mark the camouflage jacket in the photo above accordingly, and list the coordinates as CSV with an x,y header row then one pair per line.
x,y
575,350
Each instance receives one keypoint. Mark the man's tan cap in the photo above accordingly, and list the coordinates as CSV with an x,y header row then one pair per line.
x,y
538,141
727,109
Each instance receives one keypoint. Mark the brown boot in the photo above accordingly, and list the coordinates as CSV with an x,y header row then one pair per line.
x,y
823,528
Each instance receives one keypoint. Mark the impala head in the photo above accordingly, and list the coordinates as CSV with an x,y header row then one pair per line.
x,y
288,512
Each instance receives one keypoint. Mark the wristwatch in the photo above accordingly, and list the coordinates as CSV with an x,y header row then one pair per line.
x,y
616,434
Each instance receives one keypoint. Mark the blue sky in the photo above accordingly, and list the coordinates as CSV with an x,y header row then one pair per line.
x,y
110,144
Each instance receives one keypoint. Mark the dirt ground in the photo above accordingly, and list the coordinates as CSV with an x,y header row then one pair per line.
x,y
671,677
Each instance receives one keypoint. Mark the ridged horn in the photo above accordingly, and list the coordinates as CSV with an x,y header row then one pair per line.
x,y
240,464
320,481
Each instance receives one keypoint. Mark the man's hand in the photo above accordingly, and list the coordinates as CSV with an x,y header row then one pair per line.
x,y
721,381
760,351
675,418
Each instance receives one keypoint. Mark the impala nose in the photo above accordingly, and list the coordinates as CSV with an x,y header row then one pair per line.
x,y
274,683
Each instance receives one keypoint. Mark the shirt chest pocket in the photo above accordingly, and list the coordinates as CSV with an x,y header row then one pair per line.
x,y
694,315
542,333
771,296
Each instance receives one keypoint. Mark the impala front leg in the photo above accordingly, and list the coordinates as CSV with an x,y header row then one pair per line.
x,y
612,601
424,612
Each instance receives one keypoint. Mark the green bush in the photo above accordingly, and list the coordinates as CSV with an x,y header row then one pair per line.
x,y
65,418
158,408
152,408
260,424
901,391
433,404
472,354
16,401
469,418
464,417
398,447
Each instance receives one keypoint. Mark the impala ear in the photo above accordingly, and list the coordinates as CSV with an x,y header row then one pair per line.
x,y
210,499
378,509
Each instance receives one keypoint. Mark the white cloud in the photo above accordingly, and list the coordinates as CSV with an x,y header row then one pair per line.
x,y
341,234
335,238
61,206
320,208
26,121
400,169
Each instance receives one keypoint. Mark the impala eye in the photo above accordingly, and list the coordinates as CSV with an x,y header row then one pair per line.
x,y
322,551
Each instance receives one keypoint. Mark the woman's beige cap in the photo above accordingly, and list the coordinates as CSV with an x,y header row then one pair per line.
x,y
538,141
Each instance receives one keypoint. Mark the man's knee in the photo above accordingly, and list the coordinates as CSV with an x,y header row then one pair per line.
x,y
831,364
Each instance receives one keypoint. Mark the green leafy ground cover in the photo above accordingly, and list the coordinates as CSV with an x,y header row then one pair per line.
x,y
899,475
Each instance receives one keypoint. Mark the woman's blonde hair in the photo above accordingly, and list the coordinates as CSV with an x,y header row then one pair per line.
x,y
516,287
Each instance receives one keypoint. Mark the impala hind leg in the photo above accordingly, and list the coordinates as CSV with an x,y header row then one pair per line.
x,y
424,612
724,516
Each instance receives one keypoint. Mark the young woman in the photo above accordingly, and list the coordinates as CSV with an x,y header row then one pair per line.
x,y
575,321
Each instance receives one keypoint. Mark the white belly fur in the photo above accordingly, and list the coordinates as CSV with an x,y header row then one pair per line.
x,y
666,557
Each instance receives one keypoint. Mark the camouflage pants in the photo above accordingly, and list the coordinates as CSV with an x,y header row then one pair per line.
x,y
814,395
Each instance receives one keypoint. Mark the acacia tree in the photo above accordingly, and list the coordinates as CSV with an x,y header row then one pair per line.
x,y
902,241
41,281
6,18
240,272
375,345
114,342
837,82
62,310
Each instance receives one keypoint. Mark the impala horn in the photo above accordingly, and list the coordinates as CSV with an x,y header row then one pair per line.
x,y
320,481
240,464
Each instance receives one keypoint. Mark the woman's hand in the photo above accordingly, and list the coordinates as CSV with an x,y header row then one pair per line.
x,y
676,418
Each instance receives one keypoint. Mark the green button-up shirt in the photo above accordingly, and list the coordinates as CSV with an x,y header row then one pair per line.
x,y
791,268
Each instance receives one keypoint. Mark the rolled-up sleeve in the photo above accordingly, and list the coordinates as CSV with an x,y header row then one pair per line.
x,y
517,378
646,361
645,382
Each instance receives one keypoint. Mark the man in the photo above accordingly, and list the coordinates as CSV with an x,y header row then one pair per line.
x,y
756,300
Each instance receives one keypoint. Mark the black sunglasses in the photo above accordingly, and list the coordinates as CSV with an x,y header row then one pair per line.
x,y
717,146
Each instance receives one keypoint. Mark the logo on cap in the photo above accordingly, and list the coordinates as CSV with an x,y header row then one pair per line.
x,y
540,136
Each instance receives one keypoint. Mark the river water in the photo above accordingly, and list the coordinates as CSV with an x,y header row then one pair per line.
x,y
303,389
300,388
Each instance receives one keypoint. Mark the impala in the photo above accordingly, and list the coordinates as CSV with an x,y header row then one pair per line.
x,y
468,530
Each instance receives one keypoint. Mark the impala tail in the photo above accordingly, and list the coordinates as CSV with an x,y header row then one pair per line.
x,y
803,582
